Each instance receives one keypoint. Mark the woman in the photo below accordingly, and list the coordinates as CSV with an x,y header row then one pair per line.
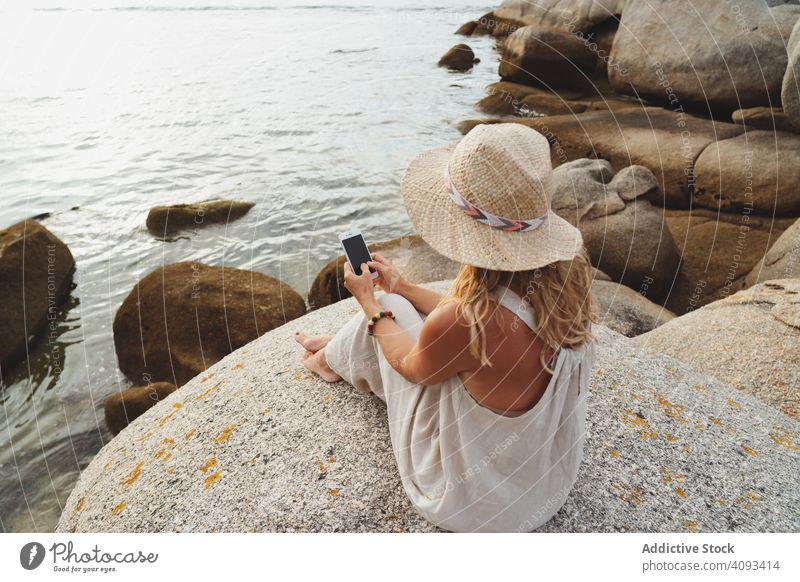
x,y
486,387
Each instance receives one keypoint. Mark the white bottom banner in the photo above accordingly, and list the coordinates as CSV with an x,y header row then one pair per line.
x,y
331,557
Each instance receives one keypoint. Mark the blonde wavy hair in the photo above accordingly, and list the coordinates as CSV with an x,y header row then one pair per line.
x,y
560,294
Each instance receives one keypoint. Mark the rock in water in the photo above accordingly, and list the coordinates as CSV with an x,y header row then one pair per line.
x,y
467,28
718,250
758,170
750,340
182,318
416,260
258,444
624,233
702,53
122,408
459,58
790,86
35,277
166,221
782,261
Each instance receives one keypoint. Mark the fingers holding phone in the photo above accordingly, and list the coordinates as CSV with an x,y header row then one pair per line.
x,y
389,277
359,285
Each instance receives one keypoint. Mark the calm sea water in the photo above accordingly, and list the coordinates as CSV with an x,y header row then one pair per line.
x,y
311,111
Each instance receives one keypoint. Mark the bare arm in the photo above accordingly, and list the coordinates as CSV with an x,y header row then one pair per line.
x,y
392,281
424,300
438,353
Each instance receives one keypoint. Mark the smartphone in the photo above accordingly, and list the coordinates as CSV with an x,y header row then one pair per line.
x,y
356,251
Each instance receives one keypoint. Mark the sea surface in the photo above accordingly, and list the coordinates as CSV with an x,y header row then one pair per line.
x,y
107,108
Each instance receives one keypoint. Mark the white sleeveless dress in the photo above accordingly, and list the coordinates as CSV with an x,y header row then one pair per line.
x,y
465,467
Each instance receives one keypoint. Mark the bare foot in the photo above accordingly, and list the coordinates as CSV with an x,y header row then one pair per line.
x,y
313,343
315,361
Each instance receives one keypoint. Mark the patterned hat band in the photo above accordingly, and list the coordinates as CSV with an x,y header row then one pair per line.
x,y
487,218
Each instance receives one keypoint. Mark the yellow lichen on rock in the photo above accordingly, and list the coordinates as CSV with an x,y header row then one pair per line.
x,y
175,408
225,434
119,507
208,464
208,391
638,422
784,438
135,474
749,451
213,478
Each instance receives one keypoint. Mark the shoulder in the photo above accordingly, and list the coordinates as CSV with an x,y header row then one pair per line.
x,y
446,322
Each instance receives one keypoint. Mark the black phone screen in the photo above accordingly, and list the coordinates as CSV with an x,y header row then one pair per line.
x,y
357,252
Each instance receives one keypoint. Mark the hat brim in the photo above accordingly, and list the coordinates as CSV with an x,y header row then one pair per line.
x,y
448,230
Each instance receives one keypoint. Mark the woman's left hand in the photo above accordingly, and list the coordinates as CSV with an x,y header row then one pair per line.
x,y
360,286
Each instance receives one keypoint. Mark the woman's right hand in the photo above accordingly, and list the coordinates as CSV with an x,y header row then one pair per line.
x,y
389,277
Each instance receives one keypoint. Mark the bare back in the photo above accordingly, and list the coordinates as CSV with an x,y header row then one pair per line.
x,y
515,380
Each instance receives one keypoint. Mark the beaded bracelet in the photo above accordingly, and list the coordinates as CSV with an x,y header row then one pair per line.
x,y
374,319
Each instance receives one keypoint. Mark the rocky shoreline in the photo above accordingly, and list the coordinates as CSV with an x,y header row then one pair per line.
x,y
684,185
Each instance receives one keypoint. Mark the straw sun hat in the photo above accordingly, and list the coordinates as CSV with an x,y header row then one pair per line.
x,y
485,201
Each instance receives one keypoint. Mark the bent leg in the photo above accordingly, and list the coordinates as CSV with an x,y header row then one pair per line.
x,y
353,354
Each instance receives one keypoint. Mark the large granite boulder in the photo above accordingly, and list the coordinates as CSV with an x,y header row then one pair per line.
x,y
666,142
718,250
624,233
35,277
702,53
547,58
758,170
417,261
782,261
182,318
750,340
167,221
563,15
790,87
458,58
259,444
625,311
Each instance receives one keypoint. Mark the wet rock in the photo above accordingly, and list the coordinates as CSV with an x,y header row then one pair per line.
x,y
703,53
718,250
759,170
122,408
665,142
166,221
182,318
547,58
668,449
750,340
467,28
459,58
35,277
416,260
624,233
782,261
